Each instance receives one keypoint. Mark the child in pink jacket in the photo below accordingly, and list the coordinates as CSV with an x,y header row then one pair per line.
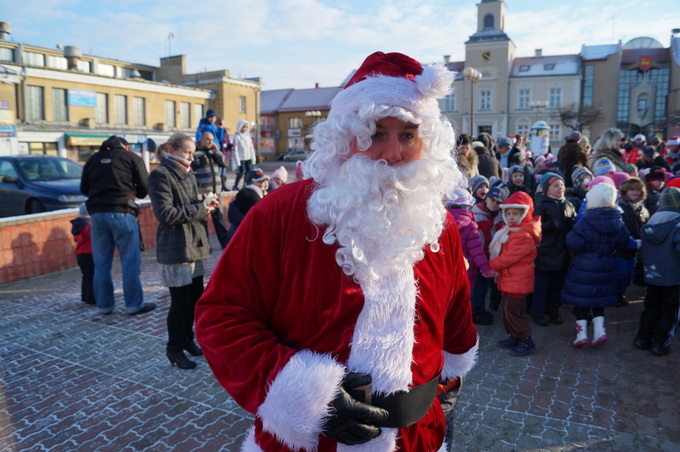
x,y
459,203
512,252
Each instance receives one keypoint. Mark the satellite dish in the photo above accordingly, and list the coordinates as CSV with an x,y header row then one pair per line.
x,y
642,43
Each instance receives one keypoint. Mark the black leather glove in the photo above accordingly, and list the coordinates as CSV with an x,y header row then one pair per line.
x,y
350,421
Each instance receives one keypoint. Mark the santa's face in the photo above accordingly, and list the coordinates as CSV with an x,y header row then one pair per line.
x,y
395,141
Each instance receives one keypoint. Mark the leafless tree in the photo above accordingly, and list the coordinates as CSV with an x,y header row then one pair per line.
x,y
576,116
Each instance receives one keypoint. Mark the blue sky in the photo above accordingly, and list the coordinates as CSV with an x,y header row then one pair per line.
x,y
296,43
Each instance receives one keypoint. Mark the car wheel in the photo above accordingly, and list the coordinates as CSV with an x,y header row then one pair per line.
x,y
34,206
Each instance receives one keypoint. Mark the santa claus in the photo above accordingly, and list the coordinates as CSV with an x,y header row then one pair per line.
x,y
343,301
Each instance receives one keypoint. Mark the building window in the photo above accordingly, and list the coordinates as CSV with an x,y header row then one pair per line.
x,y
185,115
34,59
198,113
555,98
57,62
294,123
170,120
295,144
549,67
555,131
485,99
35,102
448,103
85,66
43,148
107,69
6,54
524,68
522,127
59,104
121,109
488,22
588,82
242,104
101,112
139,111
523,99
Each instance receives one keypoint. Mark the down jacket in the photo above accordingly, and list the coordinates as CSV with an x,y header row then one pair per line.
x,y
515,262
596,276
557,219
180,237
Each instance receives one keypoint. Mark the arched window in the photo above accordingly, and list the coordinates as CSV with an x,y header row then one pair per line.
x,y
488,22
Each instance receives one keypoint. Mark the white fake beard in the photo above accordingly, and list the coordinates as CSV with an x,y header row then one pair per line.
x,y
382,216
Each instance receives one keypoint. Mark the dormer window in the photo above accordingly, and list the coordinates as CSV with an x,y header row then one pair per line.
x,y
549,67
489,22
524,68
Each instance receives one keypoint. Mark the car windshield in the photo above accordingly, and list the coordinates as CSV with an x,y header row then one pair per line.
x,y
43,169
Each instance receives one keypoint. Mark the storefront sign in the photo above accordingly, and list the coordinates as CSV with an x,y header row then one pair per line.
x,y
82,98
8,130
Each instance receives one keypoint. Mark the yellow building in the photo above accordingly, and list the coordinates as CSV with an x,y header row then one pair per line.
x,y
62,102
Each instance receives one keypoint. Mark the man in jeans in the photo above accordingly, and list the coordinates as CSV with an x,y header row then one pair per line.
x,y
112,179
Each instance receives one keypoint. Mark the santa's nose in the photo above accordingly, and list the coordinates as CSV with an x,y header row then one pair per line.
x,y
392,152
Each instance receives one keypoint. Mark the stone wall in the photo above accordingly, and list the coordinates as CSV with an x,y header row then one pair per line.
x,y
33,245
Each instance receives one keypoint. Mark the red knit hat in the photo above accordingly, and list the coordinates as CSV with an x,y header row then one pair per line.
x,y
391,64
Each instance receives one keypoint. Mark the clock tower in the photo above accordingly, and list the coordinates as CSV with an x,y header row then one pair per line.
x,y
491,52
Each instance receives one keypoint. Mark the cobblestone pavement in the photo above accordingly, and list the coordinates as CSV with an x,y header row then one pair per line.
x,y
73,380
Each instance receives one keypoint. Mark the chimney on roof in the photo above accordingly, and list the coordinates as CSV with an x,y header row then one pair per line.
x,y
5,31
316,85
539,53
72,54
447,59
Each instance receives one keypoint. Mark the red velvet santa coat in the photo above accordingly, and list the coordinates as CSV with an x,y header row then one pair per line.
x,y
278,316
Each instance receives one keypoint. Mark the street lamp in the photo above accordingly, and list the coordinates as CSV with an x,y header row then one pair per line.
x,y
537,105
474,76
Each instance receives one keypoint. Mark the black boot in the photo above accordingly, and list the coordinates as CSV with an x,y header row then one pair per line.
x,y
238,179
554,314
180,359
192,348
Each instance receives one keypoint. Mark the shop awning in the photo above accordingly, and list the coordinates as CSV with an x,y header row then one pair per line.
x,y
85,139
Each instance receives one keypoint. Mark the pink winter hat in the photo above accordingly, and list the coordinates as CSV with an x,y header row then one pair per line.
x,y
602,180
619,178
281,173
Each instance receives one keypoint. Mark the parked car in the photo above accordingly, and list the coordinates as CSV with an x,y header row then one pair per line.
x,y
38,183
294,156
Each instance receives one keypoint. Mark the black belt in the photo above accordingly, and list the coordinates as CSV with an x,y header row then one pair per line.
x,y
405,407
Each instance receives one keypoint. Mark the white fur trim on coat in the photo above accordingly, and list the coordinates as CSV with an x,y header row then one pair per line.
x,y
297,401
249,444
459,365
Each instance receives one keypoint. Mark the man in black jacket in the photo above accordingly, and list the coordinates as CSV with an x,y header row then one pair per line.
x,y
112,179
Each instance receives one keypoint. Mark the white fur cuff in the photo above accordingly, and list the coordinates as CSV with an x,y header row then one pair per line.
x,y
297,402
459,365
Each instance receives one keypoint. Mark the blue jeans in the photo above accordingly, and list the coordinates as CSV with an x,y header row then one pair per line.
x,y
111,230
478,296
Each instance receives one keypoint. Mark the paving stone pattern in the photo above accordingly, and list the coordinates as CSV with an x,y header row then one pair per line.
x,y
73,380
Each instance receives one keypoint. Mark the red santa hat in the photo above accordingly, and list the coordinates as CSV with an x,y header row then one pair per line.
x,y
393,79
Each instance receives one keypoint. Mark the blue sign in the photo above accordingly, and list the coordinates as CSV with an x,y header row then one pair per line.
x,y
8,130
82,98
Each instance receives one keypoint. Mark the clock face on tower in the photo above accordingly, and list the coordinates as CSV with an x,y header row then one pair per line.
x,y
486,55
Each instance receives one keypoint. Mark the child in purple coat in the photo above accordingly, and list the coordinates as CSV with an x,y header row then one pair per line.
x,y
459,203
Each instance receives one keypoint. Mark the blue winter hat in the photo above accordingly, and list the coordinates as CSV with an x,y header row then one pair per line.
x,y
504,143
210,113
548,179
460,197
498,193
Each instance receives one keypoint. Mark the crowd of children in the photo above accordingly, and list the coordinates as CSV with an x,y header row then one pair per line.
x,y
536,241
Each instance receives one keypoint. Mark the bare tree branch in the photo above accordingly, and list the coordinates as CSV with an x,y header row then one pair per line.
x,y
577,116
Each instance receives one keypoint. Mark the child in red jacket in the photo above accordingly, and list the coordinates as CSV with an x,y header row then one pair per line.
x,y
80,228
512,252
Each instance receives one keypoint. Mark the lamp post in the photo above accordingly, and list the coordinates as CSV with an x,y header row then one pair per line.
x,y
474,76
537,105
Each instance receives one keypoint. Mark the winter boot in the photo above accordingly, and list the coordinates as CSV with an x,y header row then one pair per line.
x,y
510,342
524,347
581,333
482,317
599,334
554,314
238,179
